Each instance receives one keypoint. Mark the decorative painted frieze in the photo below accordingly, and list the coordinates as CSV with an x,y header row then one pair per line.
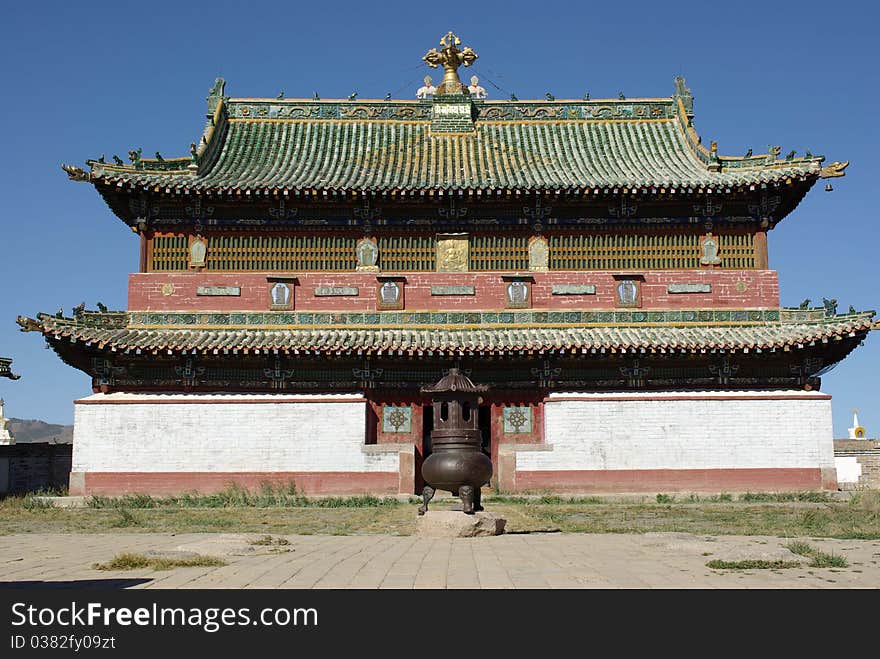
x,y
517,420
396,419
280,296
367,254
119,320
452,253
539,253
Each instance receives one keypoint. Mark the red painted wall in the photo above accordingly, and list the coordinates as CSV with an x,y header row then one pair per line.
x,y
145,291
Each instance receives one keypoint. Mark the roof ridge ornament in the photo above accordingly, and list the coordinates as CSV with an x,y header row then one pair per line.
x,y
450,57
834,170
215,94
687,98
75,173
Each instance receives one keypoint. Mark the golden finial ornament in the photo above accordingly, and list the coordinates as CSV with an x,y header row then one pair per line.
x,y
450,57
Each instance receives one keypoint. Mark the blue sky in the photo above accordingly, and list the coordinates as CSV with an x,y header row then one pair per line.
x,y
82,79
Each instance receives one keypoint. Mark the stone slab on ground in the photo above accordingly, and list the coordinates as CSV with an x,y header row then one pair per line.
x,y
456,524
65,502
517,560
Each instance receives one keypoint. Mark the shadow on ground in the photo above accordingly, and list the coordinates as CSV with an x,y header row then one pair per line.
x,y
97,584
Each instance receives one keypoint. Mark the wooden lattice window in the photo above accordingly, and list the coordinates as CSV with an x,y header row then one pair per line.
x,y
413,253
406,253
645,251
263,253
169,253
737,251
487,252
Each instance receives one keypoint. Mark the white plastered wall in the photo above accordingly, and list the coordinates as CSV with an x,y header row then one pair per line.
x,y
224,433
684,430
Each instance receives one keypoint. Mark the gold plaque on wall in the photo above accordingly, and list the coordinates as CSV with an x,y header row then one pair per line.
x,y
452,253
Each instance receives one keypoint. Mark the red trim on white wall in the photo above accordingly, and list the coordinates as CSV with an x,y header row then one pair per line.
x,y
309,482
673,480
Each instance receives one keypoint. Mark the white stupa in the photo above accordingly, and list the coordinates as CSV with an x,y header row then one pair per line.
x,y
857,431
5,436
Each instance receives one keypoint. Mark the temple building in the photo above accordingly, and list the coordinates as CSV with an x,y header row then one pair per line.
x,y
314,262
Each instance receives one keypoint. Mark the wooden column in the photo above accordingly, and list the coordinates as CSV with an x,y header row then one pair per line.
x,y
762,261
144,252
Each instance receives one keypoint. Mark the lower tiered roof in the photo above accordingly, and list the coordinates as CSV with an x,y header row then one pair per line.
x,y
417,333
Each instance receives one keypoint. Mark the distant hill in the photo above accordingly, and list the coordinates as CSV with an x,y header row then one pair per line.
x,y
32,430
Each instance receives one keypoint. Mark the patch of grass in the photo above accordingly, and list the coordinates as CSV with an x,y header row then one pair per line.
x,y
131,561
282,511
234,496
752,564
31,502
124,519
508,499
814,520
665,498
800,548
268,540
821,559
363,501
784,497
125,501
543,500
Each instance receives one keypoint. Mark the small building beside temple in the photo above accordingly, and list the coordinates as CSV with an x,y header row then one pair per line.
x,y
314,262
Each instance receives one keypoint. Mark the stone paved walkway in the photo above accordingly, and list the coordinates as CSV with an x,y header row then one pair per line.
x,y
555,560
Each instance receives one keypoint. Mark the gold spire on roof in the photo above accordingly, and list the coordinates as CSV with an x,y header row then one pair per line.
x,y
450,57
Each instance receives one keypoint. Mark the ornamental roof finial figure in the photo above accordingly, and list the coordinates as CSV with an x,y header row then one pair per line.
x,y
450,57
475,90
427,90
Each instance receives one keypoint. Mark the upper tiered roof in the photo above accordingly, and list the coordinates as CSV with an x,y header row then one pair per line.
x,y
452,140
583,153
294,145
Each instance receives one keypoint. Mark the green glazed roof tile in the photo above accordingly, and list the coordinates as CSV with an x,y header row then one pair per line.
x,y
120,335
383,150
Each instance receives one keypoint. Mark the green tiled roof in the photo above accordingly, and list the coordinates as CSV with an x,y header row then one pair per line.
x,y
356,147
118,333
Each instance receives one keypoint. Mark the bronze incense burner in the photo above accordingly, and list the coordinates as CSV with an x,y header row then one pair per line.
x,y
457,463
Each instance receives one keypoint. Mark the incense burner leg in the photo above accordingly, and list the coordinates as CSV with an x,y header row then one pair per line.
x,y
427,495
478,499
466,492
